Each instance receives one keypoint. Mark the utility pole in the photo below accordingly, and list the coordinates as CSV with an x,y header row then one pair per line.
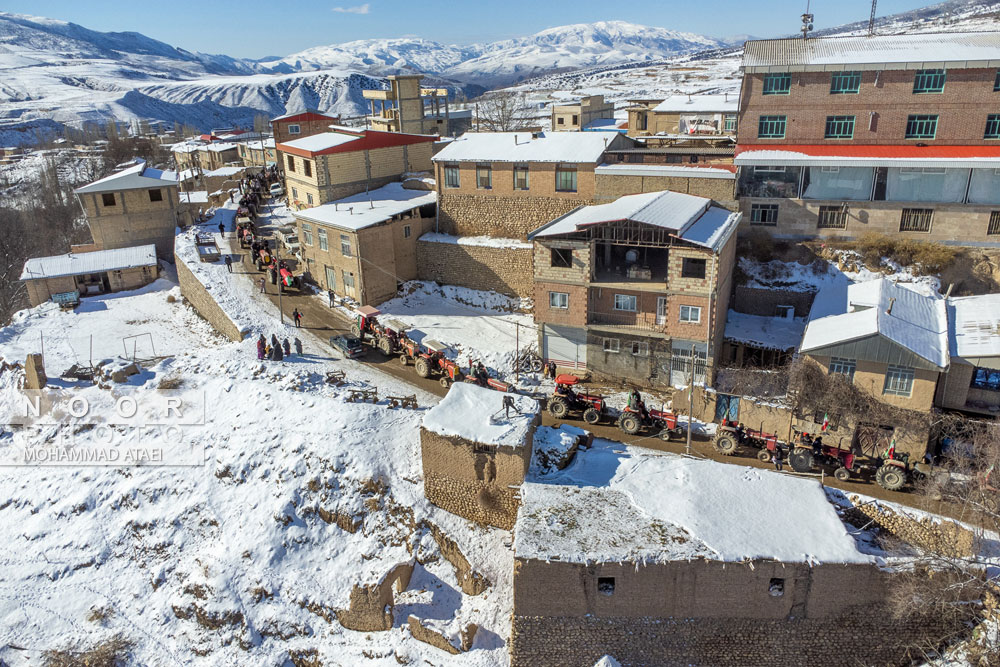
x,y
687,447
871,21
277,272
517,351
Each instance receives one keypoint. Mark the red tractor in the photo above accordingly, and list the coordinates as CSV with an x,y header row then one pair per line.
x,y
730,436
811,452
386,337
288,279
564,401
432,362
479,375
635,417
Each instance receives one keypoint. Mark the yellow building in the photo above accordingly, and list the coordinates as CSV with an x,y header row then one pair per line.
x,y
576,116
406,107
89,270
706,118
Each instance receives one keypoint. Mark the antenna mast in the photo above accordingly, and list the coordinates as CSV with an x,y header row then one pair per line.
x,y
807,22
871,21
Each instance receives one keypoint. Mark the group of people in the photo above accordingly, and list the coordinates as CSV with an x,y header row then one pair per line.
x,y
275,350
254,190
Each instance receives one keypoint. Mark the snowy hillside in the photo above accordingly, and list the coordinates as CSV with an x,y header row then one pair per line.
x,y
375,56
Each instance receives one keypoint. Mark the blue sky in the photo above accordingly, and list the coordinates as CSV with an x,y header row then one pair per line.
x,y
258,28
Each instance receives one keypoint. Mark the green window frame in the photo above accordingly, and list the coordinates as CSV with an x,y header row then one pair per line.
x,y
845,83
929,81
777,84
729,122
839,127
921,126
996,82
992,126
771,127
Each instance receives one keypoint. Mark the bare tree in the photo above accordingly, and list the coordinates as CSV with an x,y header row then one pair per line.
x,y
503,111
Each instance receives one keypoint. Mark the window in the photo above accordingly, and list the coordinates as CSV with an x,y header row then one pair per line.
x,y
295,194
916,220
562,258
520,177
345,245
845,83
291,163
929,81
307,233
777,84
560,120
842,366
839,127
406,231
484,176
994,225
451,177
771,127
729,122
625,302
108,198
576,119
565,178
776,587
992,126
559,300
693,267
832,217
606,585
639,349
690,314
898,381
921,126
764,214
294,129
986,378
996,82
838,183
612,345
309,198
307,168
784,312
156,195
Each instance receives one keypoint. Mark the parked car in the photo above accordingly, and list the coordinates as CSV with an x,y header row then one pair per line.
x,y
277,189
349,346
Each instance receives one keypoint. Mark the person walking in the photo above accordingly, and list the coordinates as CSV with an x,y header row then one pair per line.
x,y
276,353
776,459
263,282
297,316
261,347
286,347
331,296
298,347
229,263
222,229
274,341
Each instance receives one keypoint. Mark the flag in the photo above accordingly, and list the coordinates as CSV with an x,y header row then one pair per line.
x,y
826,421
892,449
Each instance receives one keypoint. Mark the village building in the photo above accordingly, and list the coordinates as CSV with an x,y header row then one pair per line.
x,y
258,152
475,454
205,156
581,114
136,206
715,181
301,124
708,119
972,383
364,246
636,289
883,133
88,270
407,107
659,559
342,161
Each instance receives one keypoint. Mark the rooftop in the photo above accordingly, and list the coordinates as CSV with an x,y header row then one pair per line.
x,y
573,147
769,333
322,141
75,264
908,51
136,177
699,104
367,209
867,156
974,327
476,414
724,171
343,139
306,114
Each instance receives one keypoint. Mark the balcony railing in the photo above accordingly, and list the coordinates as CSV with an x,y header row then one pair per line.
x,y
628,320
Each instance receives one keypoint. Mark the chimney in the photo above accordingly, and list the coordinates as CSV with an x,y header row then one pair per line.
x,y
888,311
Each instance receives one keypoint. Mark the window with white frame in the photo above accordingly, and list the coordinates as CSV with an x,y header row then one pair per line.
x,y
484,176
639,348
842,366
559,300
309,198
323,245
520,177
625,302
691,314
295,193
898,381
307,233
345,245
294,129
612,345
451,176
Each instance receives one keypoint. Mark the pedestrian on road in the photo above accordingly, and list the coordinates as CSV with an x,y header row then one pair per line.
x,y
274,341
263,282
230,196
229,263
298,347
222,230
776,459
551,366
331,296
297,316
261,347
288,348
508,403
276,354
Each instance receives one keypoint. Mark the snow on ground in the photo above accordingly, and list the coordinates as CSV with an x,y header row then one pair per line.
x,y
772,333
476,413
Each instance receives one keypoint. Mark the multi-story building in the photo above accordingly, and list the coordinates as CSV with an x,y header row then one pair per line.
x,y
205,156
340,162
406,107
889,133
578,115
709,118
637,288
258,152
301,124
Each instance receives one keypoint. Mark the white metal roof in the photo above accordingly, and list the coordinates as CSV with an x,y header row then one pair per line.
x,y
699,104
219,147
671,170
572,147
911,319
788,158
364,210
908,51
321,141
974,326
136,177
80,263
770,333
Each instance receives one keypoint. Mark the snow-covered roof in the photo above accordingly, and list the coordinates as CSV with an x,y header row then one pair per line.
x,y
693,218
974,326
906,51
476,414
665,170
136,177
220,147
771,333
321,141
256,144
618,503
698,104
187,147
573,147
225,171
367,209
78,263
961,157
196,197
481,241
911,319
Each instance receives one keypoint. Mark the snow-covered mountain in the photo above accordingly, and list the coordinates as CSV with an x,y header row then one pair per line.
x,y
375,56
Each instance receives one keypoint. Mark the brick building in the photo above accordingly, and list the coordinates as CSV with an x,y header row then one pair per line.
x,y
364,246
576,116
889,133
710,118
409,108
637,288
205,156
89,270
342,161
258,152
301,124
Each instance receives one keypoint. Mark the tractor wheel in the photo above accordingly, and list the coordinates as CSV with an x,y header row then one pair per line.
x,y
385,346
890,477
591,415
423,367
725,443
763,455
404,360
630,424
356,330
558,407
667,434
445,382
801,460
842,474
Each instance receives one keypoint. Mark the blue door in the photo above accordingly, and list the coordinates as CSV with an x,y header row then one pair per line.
x,y
727,407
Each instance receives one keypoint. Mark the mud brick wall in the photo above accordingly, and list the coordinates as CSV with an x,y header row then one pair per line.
x,y
503,270
504,217
198,296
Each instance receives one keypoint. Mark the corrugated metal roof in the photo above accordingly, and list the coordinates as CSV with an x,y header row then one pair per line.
x,y
76,264
136,177
570,147
975,326
867,156
367,209
913,51
699,104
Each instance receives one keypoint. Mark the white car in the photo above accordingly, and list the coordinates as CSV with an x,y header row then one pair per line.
x,y
277,189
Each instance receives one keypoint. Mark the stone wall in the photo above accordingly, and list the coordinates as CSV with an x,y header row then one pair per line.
x,y
503,270
760,301
503,217
613,186
198,296
371,606
947,538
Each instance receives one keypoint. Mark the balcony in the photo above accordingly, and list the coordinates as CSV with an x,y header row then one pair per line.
x,y
648,323
377,94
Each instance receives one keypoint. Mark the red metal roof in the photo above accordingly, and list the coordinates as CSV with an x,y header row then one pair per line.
x,y
305,115
370,140
908,151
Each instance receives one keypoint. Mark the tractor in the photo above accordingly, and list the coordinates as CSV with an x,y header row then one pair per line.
x,y
731,435
810,452
662,422
409,350
564,401
288,279
264,258
386,337
479,375
433,362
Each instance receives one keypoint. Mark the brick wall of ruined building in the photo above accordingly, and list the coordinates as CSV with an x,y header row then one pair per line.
x,y
503,270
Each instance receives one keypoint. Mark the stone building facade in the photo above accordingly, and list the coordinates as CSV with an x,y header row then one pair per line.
x,y
578,115
450,260
409,108
716,182
687,117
